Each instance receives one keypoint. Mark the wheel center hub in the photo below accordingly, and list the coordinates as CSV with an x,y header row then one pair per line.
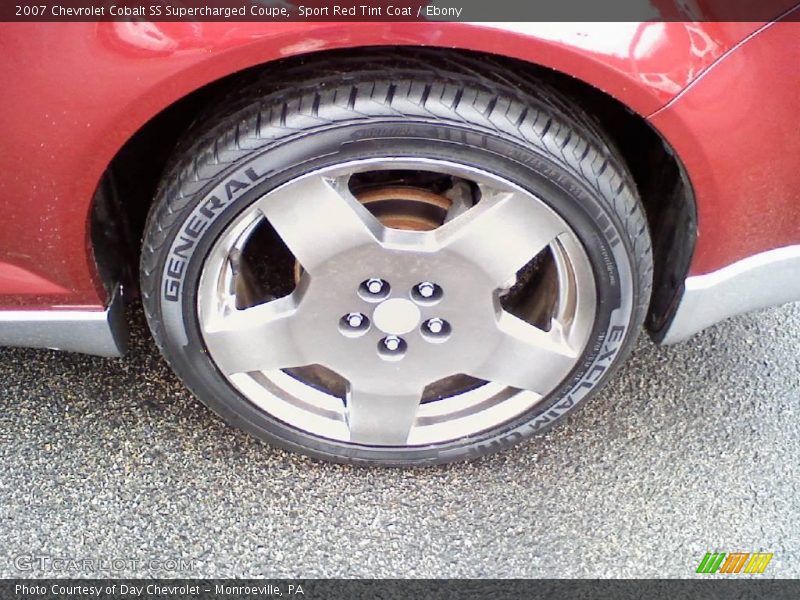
x,y
396,316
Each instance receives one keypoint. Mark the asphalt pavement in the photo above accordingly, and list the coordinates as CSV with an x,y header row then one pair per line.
x,y
692,448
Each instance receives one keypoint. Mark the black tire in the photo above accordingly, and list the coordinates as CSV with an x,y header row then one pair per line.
x,y
424,103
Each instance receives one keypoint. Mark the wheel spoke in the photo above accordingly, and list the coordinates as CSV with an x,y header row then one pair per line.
x,y
527,357
319,218
255,339
382,417
501,233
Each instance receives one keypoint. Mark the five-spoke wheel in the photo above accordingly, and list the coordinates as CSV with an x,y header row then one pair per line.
x,y
394,311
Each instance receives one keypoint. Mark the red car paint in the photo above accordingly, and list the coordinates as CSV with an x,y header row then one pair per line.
x,y
76,92
736,130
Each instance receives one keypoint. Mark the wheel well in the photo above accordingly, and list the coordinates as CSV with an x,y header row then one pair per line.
x,y
117,223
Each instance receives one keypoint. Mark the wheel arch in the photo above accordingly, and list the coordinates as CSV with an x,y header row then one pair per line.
x,y
117,223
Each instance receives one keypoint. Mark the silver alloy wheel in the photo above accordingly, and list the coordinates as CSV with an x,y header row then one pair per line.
x,y
393,311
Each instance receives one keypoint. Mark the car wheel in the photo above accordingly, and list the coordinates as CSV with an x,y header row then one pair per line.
x,y
391,263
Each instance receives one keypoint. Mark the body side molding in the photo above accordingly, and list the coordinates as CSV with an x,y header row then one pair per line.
x,y
766,279
100,332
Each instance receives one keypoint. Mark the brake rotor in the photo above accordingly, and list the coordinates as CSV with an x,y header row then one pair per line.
x,y
408,208
401,207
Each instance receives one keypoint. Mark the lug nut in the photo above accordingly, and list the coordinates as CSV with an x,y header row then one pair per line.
x,y
374,286
353,325
426,289
392,343
392,348
426,293
435,325
436,330
355,320
374,289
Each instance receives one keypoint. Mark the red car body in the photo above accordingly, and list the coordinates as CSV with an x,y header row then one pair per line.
x,y
723,96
